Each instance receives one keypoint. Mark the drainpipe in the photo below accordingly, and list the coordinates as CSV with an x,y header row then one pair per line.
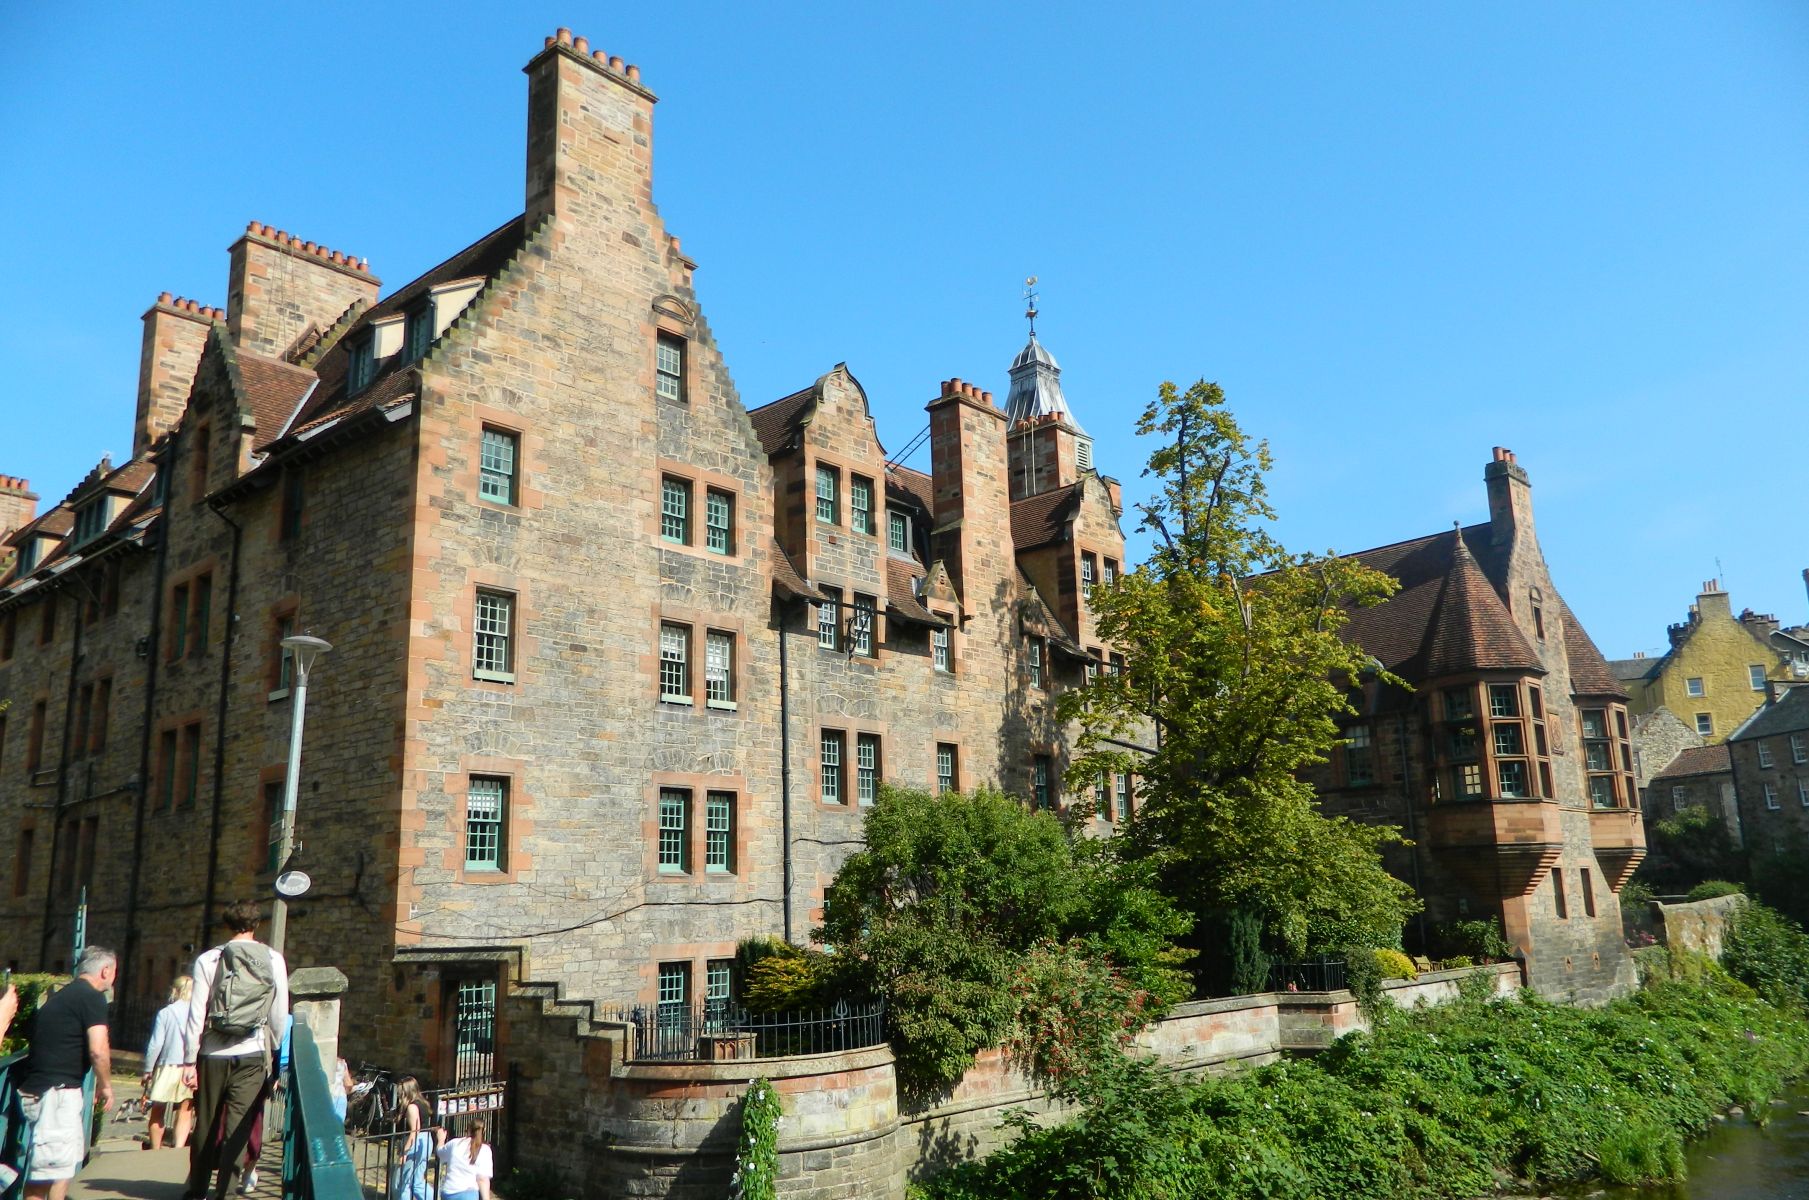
x,y
785,770
1413,837
56,820
232,621
153,640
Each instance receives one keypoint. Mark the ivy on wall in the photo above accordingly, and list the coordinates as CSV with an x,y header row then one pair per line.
x,y
757,1160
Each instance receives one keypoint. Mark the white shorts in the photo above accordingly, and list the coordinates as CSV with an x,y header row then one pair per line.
x,y
59,1136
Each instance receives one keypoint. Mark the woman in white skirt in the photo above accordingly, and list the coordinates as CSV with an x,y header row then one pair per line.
x,y
170,1051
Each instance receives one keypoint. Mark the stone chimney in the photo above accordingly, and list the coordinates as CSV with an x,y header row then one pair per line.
x,y
590,137
972,534
175,334
1510,500
281,288
1712,601
1760,625
18,505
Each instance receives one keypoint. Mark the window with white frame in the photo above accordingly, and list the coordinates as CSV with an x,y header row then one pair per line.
x,y
675,822
947,757
1677,795
1087,573
1771,794
675,662
1110,575
1802,791
1694,686
1122,784
719,667
866,768
1799,753
860,504
493,640
940,656
669,365
496,465
486,800
1764,754
1036,662
719,988
675,510
865,620
828,503
719,832
829,619
831,746
1755,674
719,522
1705,723
1039,782
1092,669
898,532
1102,797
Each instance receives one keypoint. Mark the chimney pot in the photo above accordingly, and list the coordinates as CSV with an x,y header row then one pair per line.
x,y
164,297
634,73
601,57
563,36
549,41
615,62
581,45
987,396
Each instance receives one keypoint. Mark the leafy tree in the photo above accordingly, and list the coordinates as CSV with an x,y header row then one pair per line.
x,y
1233,654
1690,848
972,914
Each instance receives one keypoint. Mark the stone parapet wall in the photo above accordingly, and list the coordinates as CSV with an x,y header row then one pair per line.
x,y
1700,926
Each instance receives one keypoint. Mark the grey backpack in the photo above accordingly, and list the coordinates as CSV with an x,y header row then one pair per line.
x,y
239,1004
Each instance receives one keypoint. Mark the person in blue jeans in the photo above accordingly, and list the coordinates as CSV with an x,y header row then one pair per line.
x,y
465,1164
417,1146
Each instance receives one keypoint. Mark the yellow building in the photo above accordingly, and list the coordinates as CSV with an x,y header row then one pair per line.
x,y
1714,675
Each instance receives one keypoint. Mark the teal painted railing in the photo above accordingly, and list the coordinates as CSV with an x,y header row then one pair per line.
x,y
317,1163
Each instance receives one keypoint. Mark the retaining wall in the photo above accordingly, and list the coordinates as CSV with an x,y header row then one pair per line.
x,y
1699,926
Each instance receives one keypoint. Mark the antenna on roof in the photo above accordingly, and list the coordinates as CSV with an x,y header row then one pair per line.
x,y
1030,303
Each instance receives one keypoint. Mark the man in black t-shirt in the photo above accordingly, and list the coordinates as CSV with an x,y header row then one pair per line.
x,y
68,1036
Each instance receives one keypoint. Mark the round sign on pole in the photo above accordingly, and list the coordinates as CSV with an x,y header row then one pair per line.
x,y
293,884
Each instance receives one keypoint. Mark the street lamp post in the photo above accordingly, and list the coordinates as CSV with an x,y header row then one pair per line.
x,y
303,650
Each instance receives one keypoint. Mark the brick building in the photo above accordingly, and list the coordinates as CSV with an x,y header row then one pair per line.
x,y
1507,761
616,660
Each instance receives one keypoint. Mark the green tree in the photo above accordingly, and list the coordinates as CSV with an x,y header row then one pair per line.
x,y
973,914
1233,654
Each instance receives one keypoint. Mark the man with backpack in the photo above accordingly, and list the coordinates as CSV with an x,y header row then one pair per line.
x,y
238,1011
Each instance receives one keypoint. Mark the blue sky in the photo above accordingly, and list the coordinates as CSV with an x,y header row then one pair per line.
x,y
1396,234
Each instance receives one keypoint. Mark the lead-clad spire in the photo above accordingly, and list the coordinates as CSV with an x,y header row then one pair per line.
x,y
1036,378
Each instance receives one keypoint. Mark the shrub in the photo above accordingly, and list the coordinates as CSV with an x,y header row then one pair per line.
x,y
1644,1153
33,990
1234,963
1636,892
785,977
1769,953
1363,976
1713,889
1481,940
1456,962
1395,965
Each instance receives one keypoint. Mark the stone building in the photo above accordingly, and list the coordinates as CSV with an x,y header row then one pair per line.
x,y
1715,672
1770,757
1507,761
617,660
1700,777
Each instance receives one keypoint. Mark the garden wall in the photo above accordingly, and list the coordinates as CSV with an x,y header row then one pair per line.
x,y
1699,926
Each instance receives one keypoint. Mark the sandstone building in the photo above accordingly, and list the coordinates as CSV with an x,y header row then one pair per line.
x,y
1508,763
1770,757
617,660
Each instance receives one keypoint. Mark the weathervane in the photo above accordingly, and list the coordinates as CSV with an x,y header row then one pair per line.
x,y
1030,302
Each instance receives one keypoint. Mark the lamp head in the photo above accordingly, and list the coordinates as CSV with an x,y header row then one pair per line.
x,y
305,648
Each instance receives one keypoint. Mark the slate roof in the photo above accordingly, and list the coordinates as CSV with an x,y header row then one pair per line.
x,y
786,576
1789,715
774,423
484,258
1040,519
1697,760
1589,673
1632,670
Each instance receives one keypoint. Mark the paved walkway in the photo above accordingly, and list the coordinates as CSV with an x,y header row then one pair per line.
x,y
121,1169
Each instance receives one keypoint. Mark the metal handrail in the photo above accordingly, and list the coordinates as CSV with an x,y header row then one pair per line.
x,y
317,1163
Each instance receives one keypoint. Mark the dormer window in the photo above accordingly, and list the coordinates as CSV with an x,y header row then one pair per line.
x,y
28,555
363,366
419,333
898,531
90,520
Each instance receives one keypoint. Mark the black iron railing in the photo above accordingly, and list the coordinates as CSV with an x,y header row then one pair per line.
x,y
718,1030
1312,975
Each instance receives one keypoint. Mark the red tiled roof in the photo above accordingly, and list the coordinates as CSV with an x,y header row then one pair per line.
x,y
1697,760
902,576
913,484
786,577
1447,617
273,391
1590,674
1040,519
773,423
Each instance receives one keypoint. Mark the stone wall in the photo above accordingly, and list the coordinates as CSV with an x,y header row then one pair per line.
x,y
1699,926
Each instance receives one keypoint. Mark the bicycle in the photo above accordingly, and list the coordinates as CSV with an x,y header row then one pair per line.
x,y
370,1106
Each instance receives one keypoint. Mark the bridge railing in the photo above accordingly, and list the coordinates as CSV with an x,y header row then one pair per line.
x,y
317,1163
